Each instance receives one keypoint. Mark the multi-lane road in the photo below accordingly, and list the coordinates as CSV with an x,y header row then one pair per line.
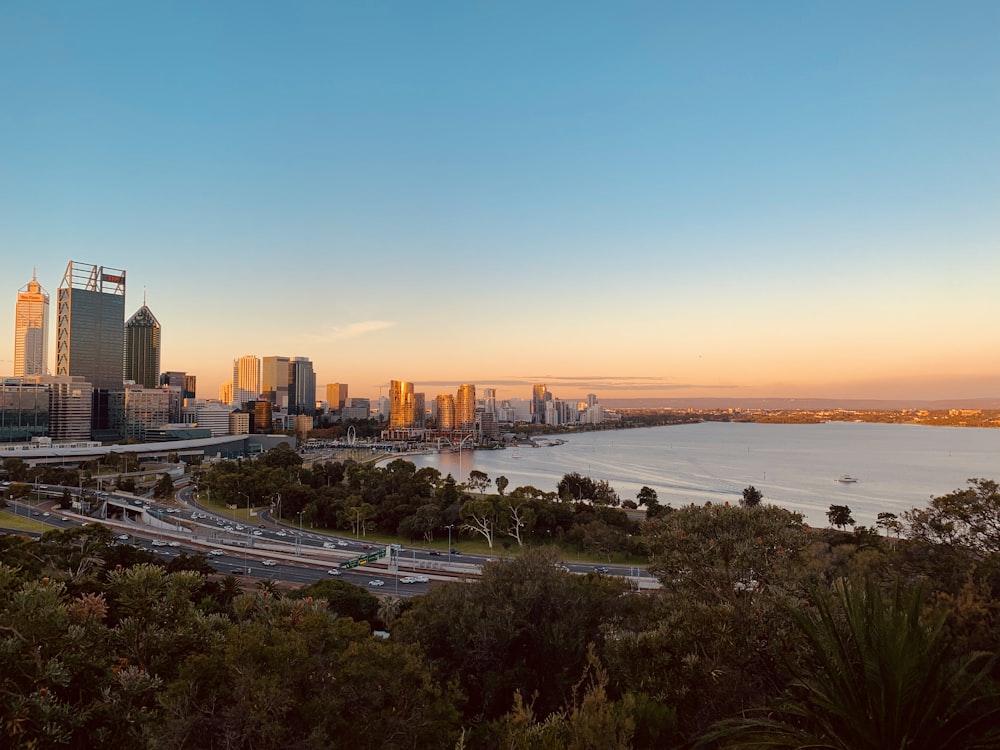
x,y
265,549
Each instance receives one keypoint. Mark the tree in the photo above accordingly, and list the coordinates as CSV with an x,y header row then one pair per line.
x,y
840,516
968,519
480,517
501,483
877,674
751,497
164,487
478,481
889,522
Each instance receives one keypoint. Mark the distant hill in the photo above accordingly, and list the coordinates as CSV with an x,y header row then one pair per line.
x,y
808,404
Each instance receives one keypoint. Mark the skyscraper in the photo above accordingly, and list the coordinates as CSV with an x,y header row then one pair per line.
x,y
336,395
31,330
275,375
90,339
142,348
539,396
402,406
301,386
246,379
465,408
445,412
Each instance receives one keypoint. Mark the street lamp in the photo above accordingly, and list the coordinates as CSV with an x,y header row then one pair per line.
x,y
449,527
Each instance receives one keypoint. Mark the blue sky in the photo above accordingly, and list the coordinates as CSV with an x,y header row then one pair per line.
x,y
632,199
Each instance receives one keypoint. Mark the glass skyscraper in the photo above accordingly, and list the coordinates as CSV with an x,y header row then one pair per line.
x,y
90,339
142,348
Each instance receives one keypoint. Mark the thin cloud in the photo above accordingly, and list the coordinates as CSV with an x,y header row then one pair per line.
x,y
355,330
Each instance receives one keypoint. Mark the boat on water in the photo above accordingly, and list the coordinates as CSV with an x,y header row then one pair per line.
x,y
846,479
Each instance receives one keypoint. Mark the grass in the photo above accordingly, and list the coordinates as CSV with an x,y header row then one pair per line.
x,y
18,522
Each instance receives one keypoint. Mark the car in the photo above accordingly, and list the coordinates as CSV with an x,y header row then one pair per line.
x,y
123,537
434,552
341,543
376,582
46,514
408,579
602,569
173,544
363,546
455,551
258,532
333,572
64,518
269,563
159,543
260,526
282,533
397,547
216,552
421,579
328,545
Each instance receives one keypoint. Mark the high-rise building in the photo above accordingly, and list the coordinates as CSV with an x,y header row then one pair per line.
x,y
90,325
465,408
301,386
275,378
246,379
226,392
445,412
31,330
90,340
336,395
24,409
539,395
402,405
142,348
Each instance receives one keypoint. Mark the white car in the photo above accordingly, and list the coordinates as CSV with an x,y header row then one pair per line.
x,y
281,533
333,572
159,543
216,552
258,532
341,543
328,545
123,537
376,582
421,579
408,579
269,563
173,544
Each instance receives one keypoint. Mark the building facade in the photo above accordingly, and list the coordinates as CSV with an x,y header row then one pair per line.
x,y
465,408
90,340
301,386
336,395
246,379
24,409
142,348
275,376
445,412
31,330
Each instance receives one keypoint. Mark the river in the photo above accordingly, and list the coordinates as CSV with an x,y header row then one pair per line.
x,y
898,467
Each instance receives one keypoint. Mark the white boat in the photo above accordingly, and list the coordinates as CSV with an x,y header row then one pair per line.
x,y
846,479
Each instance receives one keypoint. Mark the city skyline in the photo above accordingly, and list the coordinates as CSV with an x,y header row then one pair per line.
x,y
635,201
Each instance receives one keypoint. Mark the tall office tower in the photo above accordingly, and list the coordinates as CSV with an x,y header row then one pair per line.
x,y
246,379
401,404
90,340
465,408
539,395
275,377
336,395
301,386
190,386
142,348
490,400
226,392
31,330
445,412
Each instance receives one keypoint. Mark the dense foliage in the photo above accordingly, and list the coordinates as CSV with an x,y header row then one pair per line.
x,y
763,632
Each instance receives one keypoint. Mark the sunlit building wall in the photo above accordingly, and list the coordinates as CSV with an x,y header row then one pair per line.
x,y
445,412
246,379
275,378
465,408
24,409
31,330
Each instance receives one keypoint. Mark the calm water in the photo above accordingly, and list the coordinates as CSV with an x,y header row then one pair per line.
x,y
795,466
